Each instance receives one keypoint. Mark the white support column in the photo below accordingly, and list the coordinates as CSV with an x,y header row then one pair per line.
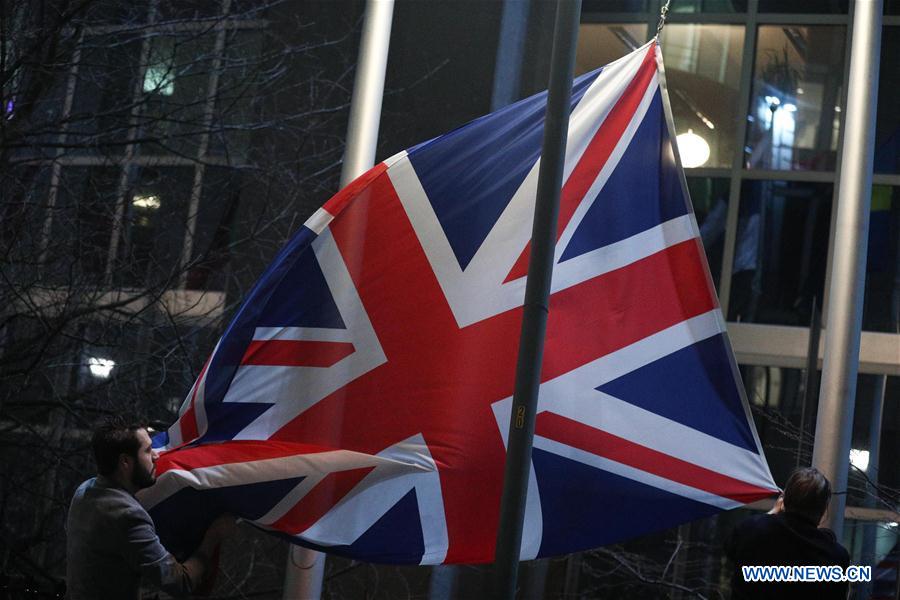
x,y
368,90
305,571
843,321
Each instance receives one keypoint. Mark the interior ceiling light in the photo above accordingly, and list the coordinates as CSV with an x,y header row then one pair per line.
x,y
146,201
859,459
694,150
100,367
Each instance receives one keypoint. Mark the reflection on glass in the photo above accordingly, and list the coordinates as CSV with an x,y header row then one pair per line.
x,y
709,6
703,70
600,45
887,128
710,199
795,107
881,310
780,250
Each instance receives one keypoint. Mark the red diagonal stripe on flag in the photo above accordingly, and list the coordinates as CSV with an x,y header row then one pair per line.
x,y
295,353
626,305
320,500
597,153
620,450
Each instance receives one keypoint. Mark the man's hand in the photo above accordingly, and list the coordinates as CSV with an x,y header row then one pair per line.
x,y
779,506
221,529
201,566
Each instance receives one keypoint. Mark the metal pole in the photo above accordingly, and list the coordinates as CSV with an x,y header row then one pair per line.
x,y
510,50
843,321
304,574
305,569
368,90
537,294
810,376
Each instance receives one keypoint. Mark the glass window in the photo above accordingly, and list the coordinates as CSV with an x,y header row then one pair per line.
x,y
134,12
113,364
803,6
709,6
156,206
104,91
600,45
33,363
710,199
252,9
887,128
889,435
882,552
777,397
214,230
882,298
33,92
82,224
614,6
192,10
22,212
703,72
796,100
174,93
872,390
780,250
245,78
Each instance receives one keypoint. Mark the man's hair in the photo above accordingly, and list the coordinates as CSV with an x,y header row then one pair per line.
x,y
807,493
114,436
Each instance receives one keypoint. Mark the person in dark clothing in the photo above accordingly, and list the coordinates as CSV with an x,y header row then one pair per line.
x,y
789,535
112,546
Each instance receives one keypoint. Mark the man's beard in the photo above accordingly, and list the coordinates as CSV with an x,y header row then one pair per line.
x,y
142,478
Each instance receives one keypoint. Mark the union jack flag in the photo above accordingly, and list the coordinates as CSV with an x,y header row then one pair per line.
x,y
359,401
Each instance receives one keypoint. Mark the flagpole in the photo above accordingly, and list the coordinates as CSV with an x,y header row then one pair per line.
x,y
843,317
536,307
305,570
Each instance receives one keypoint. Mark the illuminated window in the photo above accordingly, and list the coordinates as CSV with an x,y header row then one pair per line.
x,y
159,79
703,64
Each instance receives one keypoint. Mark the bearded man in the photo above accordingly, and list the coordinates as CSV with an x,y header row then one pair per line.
x,y
112,544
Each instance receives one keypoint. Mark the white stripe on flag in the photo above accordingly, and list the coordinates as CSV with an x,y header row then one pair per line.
x,y
311,334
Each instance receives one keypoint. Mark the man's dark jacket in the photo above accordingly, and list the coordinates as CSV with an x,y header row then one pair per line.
x,y
784,539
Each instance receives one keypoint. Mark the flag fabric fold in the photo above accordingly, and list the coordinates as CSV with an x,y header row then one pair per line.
x,y
359,400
